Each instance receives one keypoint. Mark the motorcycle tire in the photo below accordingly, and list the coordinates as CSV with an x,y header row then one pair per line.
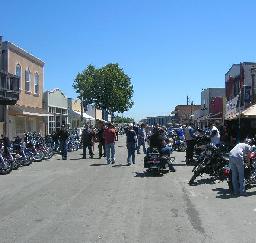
x,y
38,157
76,147
182,148
6,167
192,180
197,172
27,161
15,164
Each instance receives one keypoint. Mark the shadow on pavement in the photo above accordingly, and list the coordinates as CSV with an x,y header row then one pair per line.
x,y
120,165
76,159
179,164
203,181
223,193
98,164
149,174
206,181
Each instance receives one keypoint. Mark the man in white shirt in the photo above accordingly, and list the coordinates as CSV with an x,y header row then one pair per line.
x,y
215,135
236,161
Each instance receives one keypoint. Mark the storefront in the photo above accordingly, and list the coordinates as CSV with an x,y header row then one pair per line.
x,y
23,119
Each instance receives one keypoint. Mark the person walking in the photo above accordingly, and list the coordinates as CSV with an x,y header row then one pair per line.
x,y
236,160
131,144
141,138
101,145
190,141
109,137
63,135
87,141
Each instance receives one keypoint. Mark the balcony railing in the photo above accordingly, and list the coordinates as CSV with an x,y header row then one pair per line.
x,y
9,88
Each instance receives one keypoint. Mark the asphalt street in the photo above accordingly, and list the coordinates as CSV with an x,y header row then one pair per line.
x,y
86,200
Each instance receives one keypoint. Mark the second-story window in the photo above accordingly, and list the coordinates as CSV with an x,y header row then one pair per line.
x,y
27,80
36,83
18,73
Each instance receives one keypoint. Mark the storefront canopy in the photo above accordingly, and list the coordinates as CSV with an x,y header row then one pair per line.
x,y
29,111
249,112
86,116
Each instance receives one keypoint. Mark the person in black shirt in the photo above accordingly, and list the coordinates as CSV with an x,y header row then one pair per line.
x,y
131,144
87,141
158,140
63,135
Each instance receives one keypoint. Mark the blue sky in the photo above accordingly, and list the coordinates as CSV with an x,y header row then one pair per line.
x,y
170,49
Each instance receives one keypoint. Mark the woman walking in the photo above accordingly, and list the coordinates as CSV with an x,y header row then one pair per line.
x,y
131,144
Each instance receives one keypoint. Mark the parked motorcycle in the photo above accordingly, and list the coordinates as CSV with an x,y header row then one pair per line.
x,y
212,164
6,165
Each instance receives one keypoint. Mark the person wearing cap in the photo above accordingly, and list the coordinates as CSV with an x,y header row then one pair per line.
x,y
87,141
63,135
236,161
109,138
131,144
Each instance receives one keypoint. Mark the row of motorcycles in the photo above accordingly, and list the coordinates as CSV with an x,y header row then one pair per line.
x,y
214,161
33,148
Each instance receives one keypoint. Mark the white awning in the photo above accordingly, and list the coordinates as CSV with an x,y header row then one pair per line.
x,y
250,112
86,116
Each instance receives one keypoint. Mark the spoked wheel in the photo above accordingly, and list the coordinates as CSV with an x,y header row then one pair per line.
x,y
5,166
197,172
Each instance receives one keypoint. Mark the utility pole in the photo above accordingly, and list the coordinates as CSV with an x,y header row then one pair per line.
x,y
187,99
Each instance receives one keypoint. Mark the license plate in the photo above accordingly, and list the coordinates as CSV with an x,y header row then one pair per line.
x,y
154,161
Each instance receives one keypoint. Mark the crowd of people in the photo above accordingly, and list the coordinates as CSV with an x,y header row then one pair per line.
x,y
141,138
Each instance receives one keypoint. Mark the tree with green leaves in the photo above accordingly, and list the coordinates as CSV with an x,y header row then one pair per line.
x,y
121,119
107,88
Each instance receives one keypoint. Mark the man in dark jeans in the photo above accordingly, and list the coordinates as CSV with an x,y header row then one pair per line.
x,y
190,141
63,135
87,141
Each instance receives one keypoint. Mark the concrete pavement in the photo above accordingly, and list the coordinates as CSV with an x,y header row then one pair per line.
x,y
81,200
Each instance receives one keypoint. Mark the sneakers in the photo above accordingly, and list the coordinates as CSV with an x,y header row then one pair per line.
x,y
113,161
243,194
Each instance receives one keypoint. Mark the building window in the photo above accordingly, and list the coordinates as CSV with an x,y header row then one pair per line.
x,y
20,126
52,127
36,83
18,70
18,73
27,80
